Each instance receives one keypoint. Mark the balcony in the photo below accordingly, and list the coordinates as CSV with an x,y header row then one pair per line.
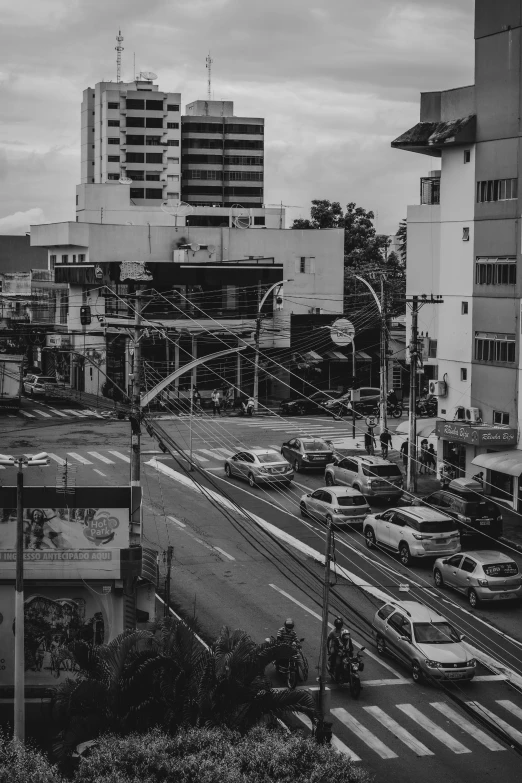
x,y
430,190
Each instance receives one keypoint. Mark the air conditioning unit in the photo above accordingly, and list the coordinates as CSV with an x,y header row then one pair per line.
x,y
473,415
438,388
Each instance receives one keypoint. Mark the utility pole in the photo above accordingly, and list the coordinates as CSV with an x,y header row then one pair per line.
x,y
170,552
257,337
384,362
323,730
135,421
412,428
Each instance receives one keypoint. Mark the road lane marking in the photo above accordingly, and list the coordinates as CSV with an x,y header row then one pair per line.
x,y
212,453
57,459
41,413
226,452
195,455
399,731
74,413
508,705
99,471
199,540
176,521
422,720
79,458
59,413
336,742
366,736
101,457
25,413
318,617
120,456
484,712
225,554
467,726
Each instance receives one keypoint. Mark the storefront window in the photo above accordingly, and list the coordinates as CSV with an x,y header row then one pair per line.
x,y
454,455
501,485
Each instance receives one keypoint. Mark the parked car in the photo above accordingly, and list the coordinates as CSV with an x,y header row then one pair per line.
x,y
368,402
424,640
481,576
339,506
373,476
41,386
259,466
465,502
412,532
313,404
304,453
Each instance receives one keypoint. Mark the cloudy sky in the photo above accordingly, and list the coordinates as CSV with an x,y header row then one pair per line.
x,y
336,81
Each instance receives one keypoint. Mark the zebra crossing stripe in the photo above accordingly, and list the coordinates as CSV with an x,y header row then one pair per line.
x,y
25,413
74,413
336,742
79,458
483,711
41,413
467,726
101,457
399,731
59,413
56,458
120,456
508,705
195,455
432,728
363,733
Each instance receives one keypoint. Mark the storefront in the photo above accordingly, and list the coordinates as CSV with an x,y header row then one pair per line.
x,y
503,475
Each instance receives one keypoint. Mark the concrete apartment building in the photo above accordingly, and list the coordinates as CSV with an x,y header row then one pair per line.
x,y
464,244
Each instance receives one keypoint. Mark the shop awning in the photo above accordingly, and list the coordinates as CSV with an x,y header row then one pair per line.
x,y
336,356
362,356
509,462
312,356
425,427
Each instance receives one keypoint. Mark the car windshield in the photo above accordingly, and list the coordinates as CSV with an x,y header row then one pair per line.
x,y
315,445
47,380
269,458
437,526
435,633
356,500
501,569
389,471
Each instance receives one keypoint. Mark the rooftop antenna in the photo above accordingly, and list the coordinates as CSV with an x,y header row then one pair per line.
x,y
119,50
209,62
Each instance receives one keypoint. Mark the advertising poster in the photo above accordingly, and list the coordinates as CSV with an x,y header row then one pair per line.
x,y
59,529
57,621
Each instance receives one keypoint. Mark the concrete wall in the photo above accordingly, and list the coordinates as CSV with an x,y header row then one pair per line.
x,y
494,17
497,74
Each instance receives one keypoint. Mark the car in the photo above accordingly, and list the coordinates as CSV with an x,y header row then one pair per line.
x,y
41,386
339,506
412,532
367,403
464,500
259,466
423,640
482,576
305,452
313,404
373,476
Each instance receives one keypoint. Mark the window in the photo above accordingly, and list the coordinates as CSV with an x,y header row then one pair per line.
x,y
172,160
154,122
305,265
463,374
244,176
136,157
173,107
153,193
113,158
430,190
152,176
239,128
81,258
74,258
76,200
467,156
465,234
135,141
136,175
113,123
113,105
135,122
202,174
172,194
52,258
499,417
490,347
113,176
153,141
154,157
386,611
497,190
172,125
92,145
65,259
229,297
64,306
173,143
136,192
259,221
496,271
242,160
464,308
468,565
114,140
211,190
235,191
241,144
432,349
173,177
155,105
134,103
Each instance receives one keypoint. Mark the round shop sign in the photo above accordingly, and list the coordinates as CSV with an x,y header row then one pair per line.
x,y
342,332
371,422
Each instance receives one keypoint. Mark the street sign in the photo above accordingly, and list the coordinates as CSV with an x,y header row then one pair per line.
x,y
342,332
371,421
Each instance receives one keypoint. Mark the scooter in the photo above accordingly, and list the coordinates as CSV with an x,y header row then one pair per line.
x,y
247,409
347,670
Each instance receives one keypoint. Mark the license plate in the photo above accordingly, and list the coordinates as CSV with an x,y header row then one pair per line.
x,y
453,675
485,522
504,595
442,541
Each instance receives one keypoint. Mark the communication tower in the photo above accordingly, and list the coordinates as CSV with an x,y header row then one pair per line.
x,y
209,62
119,50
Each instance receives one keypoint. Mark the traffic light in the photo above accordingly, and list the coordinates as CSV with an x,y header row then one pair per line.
x,y
278,298
85,315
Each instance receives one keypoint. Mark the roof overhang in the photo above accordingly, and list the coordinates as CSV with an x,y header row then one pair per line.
x,y
509,462
430,138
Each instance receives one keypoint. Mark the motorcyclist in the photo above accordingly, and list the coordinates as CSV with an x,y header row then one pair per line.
x,y
346,642
286,635
333,642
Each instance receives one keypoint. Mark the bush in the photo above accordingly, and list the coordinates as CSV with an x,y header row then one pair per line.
x,y
216,756
19,764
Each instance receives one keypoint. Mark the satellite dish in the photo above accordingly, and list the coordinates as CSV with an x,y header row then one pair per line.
x,y
148,75
176,207
125,181
240,216
211,248
194,247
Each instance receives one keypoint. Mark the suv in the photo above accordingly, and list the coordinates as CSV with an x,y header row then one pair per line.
x,y
373,476
465,502
313,404
41,386
424,640
412,532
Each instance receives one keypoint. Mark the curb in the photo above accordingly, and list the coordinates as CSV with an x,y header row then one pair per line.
x,y
513,544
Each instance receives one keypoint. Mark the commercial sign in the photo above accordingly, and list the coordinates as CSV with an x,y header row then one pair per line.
x,y
58,341
476,435
342,332
51,529
64,564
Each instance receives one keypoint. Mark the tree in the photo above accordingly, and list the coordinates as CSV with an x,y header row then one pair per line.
x,y
402,236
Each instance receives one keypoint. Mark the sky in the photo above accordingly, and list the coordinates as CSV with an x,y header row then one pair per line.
x,y
335,80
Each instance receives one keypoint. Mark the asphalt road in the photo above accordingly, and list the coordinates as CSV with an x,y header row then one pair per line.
x,y
229,571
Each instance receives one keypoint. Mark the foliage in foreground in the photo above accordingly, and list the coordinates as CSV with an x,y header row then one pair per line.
x,y
19,764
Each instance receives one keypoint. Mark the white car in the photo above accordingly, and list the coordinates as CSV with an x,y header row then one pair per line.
x,y
412,532
259,466
339,506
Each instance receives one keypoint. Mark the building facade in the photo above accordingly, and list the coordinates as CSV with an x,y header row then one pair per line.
x,y
464,245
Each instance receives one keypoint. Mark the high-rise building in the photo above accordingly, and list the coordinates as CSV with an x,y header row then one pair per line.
x,y
222,156
132,130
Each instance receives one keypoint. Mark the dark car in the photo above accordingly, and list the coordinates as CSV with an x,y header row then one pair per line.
x,y
304,453
465,502
313,404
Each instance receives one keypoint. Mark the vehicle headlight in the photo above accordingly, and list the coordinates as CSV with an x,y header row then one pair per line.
x,y
432,664
355,667
471,662
483,582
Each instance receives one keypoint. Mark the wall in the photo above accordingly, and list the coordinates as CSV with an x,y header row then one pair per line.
x,y
17,254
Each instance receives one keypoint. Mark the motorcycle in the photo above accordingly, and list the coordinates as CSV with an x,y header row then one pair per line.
x,y
295,670
427,407
394,410
247,409
346,670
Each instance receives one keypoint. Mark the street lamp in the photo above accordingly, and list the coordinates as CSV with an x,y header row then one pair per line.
x,y
257,335
19,661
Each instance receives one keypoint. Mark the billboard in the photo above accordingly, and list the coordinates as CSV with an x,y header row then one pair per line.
x,y
58,529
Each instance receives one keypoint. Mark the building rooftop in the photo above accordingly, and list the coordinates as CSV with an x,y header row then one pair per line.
x,y
428,138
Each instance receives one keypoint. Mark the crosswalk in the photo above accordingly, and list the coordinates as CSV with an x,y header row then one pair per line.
x,y
295,429
386,733
39,413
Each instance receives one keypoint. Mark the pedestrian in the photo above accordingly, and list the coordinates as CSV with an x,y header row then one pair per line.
x,y
216,402
196,400
432,458
445,476
229,398
369,441
386,442
423,456
479,478
404,451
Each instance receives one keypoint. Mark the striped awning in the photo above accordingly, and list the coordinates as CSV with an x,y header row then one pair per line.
x,y
336,356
